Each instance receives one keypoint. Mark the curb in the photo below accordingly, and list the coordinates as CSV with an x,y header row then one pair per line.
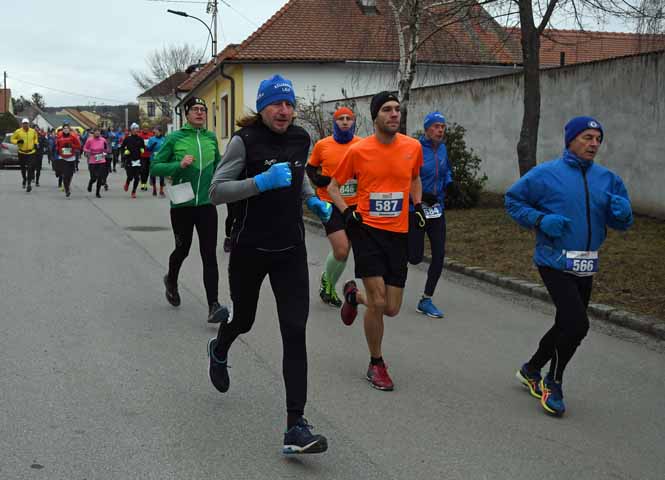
x,y
647,325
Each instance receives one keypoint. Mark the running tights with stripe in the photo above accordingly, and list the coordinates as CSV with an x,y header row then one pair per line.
x,y
570,295
287,271
183,221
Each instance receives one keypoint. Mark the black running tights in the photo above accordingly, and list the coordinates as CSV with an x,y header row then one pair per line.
x,y
436,232
68,169
133,173
287,271
183,221
570,295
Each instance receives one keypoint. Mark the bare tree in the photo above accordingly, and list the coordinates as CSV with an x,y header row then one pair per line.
x,y
417,22
534,17
163,63
37,100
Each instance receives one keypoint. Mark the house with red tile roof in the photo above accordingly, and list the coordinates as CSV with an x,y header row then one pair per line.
x,y
336,48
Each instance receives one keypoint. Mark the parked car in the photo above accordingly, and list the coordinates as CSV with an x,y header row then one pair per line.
x,y
8,152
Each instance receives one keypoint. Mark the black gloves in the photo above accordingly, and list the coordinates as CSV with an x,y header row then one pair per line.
x,y
317,179
429,198
351,217
421,220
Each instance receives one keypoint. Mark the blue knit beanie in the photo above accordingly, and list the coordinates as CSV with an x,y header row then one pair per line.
x,y
275,89
433,117
577,125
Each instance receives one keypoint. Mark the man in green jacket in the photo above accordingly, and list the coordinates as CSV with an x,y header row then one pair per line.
x,y
189,157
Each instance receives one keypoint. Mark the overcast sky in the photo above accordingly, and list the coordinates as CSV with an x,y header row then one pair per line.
x,y
88,47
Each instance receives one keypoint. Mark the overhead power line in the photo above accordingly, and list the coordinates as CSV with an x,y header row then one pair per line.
x,y
240,13
67,92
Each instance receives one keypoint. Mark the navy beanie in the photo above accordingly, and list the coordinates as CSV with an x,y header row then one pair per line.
x,y
433,117
378,100
275,89
577,125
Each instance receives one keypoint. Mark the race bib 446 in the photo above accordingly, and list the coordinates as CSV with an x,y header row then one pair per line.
x,y
386,204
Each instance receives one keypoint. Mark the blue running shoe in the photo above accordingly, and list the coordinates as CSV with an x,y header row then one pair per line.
x,y
425,306
530,379
218,370
552,399
300,439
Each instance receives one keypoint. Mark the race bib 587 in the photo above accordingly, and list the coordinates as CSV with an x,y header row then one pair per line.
x,y
386,204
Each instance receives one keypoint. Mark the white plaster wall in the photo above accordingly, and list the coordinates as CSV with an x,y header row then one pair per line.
x,y
324,82
627,95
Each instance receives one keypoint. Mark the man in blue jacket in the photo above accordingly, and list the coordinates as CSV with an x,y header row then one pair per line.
x,y
569,202
435,176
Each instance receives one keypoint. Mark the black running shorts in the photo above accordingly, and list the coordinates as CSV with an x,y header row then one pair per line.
x,y
379,253
336,222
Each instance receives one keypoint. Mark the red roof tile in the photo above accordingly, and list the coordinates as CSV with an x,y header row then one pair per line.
x,y
166,86
583,46
338,30
199,76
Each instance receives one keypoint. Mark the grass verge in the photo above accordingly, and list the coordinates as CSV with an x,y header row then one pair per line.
x,y
632,268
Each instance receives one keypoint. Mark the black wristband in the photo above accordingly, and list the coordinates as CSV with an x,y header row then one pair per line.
x,y
539,220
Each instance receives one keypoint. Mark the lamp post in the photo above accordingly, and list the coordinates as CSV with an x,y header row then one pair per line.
x,y
212,37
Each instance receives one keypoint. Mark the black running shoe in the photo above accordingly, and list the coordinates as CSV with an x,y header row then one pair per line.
x,y
172,295
218,313
218,370
300,439
28,188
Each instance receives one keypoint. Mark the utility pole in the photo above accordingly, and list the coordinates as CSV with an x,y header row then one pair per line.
x,y
213,9
4,95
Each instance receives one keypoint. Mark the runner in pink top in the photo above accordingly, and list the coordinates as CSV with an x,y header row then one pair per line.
x,y
96,148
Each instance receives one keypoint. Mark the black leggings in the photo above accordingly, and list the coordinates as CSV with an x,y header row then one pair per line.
x,y
153,181
436,232
27,163
133,173
98,172
570,295
68,169
287,271
183,221
145,170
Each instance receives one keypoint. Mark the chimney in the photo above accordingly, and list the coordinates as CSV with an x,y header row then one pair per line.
x,y
368,7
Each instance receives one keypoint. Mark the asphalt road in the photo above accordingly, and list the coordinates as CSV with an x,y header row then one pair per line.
x,y
101,379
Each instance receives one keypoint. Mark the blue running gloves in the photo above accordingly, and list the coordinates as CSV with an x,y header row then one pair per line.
x,y
621,208
553,225
321,209
277,176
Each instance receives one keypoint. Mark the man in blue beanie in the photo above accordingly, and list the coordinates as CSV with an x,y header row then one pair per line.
x,y
436,176
262,173
570,202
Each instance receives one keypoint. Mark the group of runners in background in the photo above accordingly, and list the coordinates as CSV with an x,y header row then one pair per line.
x,y
102,149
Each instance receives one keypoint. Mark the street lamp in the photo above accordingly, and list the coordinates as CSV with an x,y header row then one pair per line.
x,y
185,14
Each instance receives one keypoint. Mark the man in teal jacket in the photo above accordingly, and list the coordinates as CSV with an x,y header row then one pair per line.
x,y
189,157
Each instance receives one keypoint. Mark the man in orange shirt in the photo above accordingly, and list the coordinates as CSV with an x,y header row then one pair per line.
x,y
326,155
386,166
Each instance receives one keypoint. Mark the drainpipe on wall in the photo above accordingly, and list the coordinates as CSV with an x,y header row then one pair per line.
x,y
233,97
